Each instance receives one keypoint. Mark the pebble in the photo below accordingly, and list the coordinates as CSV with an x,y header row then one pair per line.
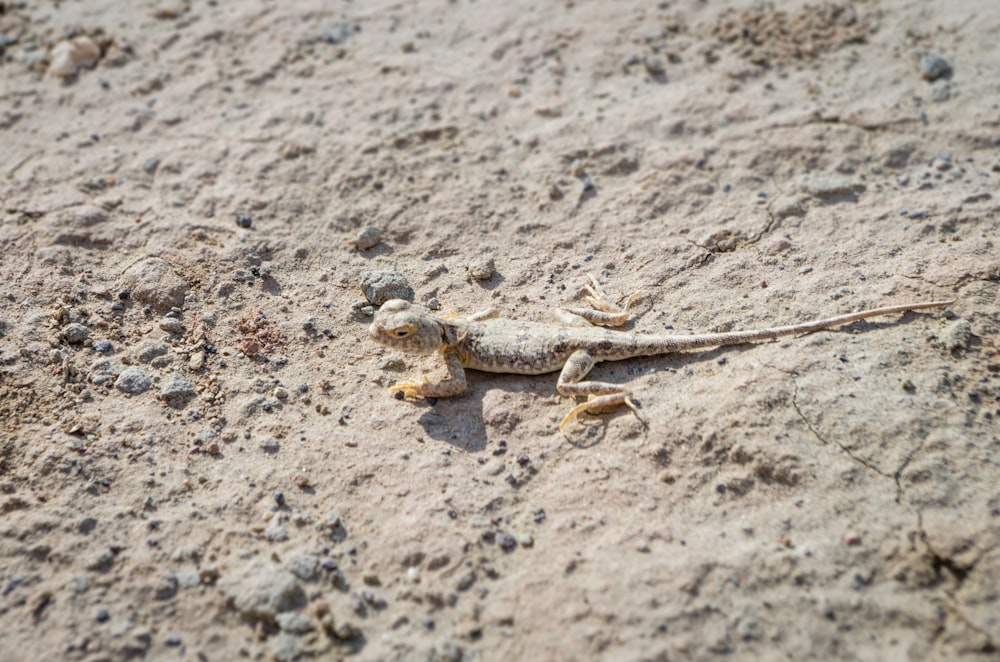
x,y
172,325
785,206
506,541
84,217
244,220
654,65
102,346
260,590
749,629
381,286
154,282
151,349
642,546
75,334
827,186
933,66
133,380
103,616
482,268
294,622
269,444
281,393
367,238
957,336
305,566
176,391
69,56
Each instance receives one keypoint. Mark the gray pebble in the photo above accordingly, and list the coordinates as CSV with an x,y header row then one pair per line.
x,y
806,269
749,629
134,380
260,590
381,286
154,282
75,334
176,391
786,205
304,566
275,532
294,622
506,541
285,647
830,186
654,65
933,66
172,325
367,238
269,444
482,268
102,346
958,336
151,349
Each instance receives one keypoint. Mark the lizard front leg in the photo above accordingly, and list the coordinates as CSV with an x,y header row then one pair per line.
x,y
600,395
453,384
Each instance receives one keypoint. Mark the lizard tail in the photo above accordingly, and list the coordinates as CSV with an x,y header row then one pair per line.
x,y
661,344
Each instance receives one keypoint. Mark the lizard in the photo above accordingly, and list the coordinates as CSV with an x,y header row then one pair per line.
x,y
488,343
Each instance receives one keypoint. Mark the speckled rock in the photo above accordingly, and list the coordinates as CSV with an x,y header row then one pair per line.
x,y
154,282
133,380
176,391
381,286
260,590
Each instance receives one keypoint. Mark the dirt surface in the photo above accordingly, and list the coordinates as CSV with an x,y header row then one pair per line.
x,y
199,455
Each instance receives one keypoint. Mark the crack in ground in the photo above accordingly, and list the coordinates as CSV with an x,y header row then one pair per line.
x,y
959,572
847,451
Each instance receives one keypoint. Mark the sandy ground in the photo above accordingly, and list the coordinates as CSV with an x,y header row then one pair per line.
x,y
199,455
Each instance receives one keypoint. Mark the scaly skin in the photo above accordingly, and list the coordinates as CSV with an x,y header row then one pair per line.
x,y
485,342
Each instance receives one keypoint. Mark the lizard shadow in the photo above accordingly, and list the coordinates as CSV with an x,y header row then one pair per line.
x,y
456,423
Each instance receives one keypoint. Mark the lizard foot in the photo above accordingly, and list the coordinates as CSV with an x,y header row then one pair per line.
x,y
599,403
411,388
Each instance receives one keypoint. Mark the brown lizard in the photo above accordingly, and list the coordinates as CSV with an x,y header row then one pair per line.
x,y
485,342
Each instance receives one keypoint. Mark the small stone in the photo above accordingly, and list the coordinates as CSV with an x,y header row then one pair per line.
x,y
958,336
151,349
654,65
381,286
281,393
482,268
269,444
172,325
749,629
103,616
153,282
75,334
831,188
176,391
806,269
244,220
69,56
294,623
785,206
304,566
642,546
260,590
852,538
197,361
102,346
506,541
933,66
133,380
367,238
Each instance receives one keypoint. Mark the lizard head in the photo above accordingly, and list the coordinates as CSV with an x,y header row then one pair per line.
x,y
407,327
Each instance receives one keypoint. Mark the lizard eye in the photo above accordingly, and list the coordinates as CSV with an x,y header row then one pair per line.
x,y
401,333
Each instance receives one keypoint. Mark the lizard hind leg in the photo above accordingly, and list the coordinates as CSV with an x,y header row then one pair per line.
x,y
602,312
601,396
